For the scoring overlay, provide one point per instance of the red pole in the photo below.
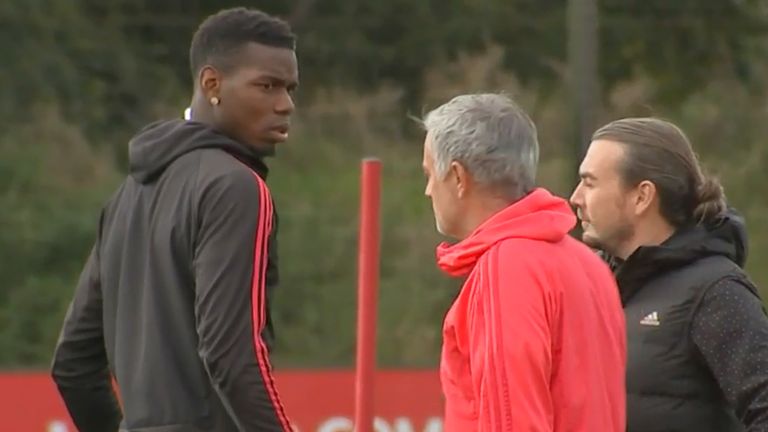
(367, 292)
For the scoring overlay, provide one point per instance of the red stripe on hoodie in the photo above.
(258, 297)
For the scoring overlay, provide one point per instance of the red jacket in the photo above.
(535, 340)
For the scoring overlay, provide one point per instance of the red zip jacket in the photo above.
(535, 339)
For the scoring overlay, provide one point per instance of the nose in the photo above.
(284, 104)
(576, 198)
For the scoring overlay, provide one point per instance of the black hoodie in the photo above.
(173, 302)
(697, 333)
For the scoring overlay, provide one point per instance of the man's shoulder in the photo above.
(719, 271)
(219, 168)
(567, 255)
(706, 271)
(517, 253)
(535, 249)
(218, 162)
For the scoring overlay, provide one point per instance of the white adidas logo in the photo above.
(652, 319)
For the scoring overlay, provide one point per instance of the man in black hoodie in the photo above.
(697, 331)
(173, 303)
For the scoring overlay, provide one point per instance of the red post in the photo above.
(367, 292)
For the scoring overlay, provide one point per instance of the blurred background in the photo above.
(81, 76)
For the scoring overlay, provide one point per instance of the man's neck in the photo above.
(201, 109)
(653, 235)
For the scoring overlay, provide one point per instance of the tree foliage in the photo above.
(82, 75)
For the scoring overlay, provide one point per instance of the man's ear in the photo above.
(644, 196)
(210, 82)
(462, 178)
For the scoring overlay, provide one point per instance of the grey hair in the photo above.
(491, 136)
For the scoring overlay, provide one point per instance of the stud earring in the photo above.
(215, 101)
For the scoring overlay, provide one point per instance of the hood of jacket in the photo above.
(156, 146)
(726, 236)
(538, 216)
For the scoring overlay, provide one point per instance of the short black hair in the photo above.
(221, 35)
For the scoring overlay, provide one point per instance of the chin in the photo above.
(449, 234)
(591, 241)
(265, 148)
(441, 229)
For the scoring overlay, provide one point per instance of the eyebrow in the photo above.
(278, 80)
(587, 175)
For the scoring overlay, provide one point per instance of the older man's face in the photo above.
(442, 190)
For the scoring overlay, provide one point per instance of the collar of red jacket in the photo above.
(538, 216)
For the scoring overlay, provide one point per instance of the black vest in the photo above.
(669, 387)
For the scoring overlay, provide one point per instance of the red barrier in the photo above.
(367, 293)
(316, 401)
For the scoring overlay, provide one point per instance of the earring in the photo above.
(215, 101)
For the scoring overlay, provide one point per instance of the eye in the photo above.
(268, 86)
(585, 182)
